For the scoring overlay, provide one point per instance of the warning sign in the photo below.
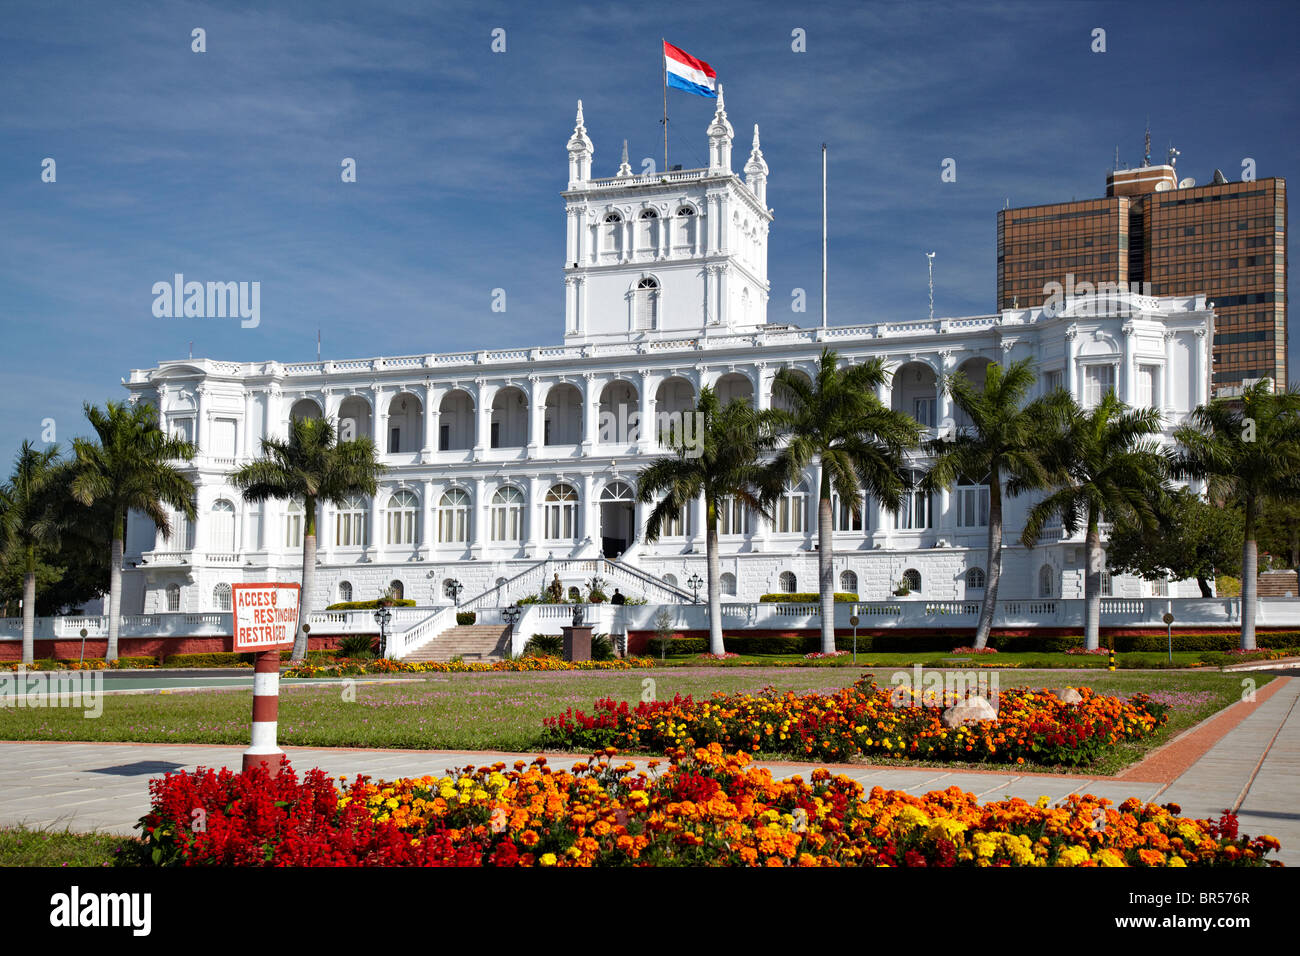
(265, 615)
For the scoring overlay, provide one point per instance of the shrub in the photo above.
(357, 646)
(806, 597)
(602, 648)
(466, 617)
(544, 645)
(370, 605)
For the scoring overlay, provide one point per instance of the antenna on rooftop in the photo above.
(1146, 155)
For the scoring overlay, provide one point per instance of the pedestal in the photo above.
(577, 643)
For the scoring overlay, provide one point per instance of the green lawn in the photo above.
(20, 846)
(504, 711)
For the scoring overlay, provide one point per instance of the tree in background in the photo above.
(28, 529)
(132, 466)
(1247, 449)
(310, 466)
(1191, 539)
(838, 422)
(1003, 444)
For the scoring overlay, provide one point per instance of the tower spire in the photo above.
(720, 137)
(580, 152)
(756, 171)
(624, 169)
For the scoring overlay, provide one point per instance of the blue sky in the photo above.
(225, 165)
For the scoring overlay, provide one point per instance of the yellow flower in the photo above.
(547, 859)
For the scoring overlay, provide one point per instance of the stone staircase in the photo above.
(470, 642)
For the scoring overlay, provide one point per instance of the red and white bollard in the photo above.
(264, 751)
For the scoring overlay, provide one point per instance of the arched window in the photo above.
(788, 583)
(403, 518)
(508, 515)
(173, 597)
(397, 590)
(345, 591)
(293, 516)
(611, 233)
(792, 510)
(561, 513)
(350, 523)
(453, 517)
(912, 578)
(646, 305)
(647, 231)
(914, 514)
(1046, 581)
(975, 579)
(733, 517)
(575, 594)
(221, 597)
(848, 582)
(221, 537)
(727, 581)
(685, 227)
(670, 579)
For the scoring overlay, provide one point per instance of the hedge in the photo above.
(231, 659)
(805, 597)
(63, 663)
(370, 605)
(464, 618)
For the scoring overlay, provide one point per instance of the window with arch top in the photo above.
(646, 306)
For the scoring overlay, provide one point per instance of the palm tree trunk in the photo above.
(1092, 585)
(29, 616)
(715, 596)
(1249, 579)
(308, 579)
(114, 595)
(825, 564)
(994, 575)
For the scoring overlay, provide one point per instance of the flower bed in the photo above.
(705, 809)
(91, 664)
(1032, 727)
(382, 665)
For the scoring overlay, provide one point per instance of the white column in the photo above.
(429, 443)
(377, 530)
(428, 532)
(482, 419)
(1071, 368)
(536, 416)
(380, 423)
(246, 447)
(1201, 360)
(1167, 378)
(645, 428)
(478, 518)
(590, 413)
(1128, 389)
(535, 489)
(590, 511)
(200, 425)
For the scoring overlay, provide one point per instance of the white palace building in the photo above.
(504, 463)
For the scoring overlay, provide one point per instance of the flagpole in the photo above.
(823, 235)
(663, 63)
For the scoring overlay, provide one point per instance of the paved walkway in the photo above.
(1254, 769)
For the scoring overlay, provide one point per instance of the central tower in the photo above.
(666, 253)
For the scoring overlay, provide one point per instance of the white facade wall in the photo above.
(711, 283)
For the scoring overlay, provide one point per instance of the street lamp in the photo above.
(1169, 627)
(694, 582)
(512, 614)
(382, 617)
(83, 644)
(454, 587)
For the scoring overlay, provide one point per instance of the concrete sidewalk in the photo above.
(1253, 769)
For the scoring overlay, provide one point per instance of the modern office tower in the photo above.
(1159, 235)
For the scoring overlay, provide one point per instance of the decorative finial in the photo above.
(578, 121)
(722, 104)
(624, 169)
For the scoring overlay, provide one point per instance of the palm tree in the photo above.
(312, 467)
(130, 468)
(1101, 461)
(838, 421)
(727, 463)
(1248, 450)
(28, 525)
(1004, 442)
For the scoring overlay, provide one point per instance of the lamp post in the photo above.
(454, 587)
(694, 582)
(382, 617)
(1169, 628)
(83, 644)
(512, 614)
(854, 621)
